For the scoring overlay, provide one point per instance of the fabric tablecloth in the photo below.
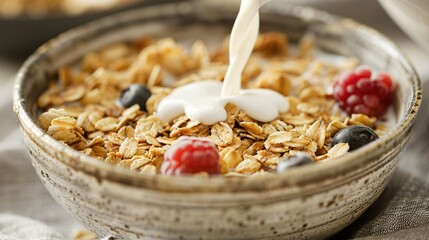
(402, 211)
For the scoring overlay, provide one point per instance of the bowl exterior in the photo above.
(314, 211)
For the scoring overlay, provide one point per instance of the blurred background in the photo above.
(27, 24)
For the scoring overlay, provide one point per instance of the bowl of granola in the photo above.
(89, 107)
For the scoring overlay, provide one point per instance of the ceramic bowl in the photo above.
(412, 16)
(305, 203)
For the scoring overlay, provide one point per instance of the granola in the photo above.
(80, 108)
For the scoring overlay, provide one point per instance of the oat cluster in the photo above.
(80, 109)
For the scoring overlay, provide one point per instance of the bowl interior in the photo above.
(196, 20)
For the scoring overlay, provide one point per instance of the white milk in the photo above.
(202, 101)
(205, 101)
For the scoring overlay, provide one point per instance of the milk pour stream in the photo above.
(204, 101)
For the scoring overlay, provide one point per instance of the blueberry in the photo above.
(355, 136)
(293, 161)
(135, 94)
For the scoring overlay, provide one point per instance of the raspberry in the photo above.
(188, 155)
(362, 92)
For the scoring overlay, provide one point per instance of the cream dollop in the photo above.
(202, 101)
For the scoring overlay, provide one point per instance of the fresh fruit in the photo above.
(188, 155)
(361, 91)
(355, 136)
(293, 161)
(135, 94)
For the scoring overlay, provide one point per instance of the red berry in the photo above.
(386, 79)
(188, 155)
(362, 92)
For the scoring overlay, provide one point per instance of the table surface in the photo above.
(22, 193)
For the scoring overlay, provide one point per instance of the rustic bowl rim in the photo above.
(295, 177)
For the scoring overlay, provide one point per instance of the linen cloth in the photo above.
(401, 212)
(13, 227)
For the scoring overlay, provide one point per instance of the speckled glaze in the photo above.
(311, 202)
